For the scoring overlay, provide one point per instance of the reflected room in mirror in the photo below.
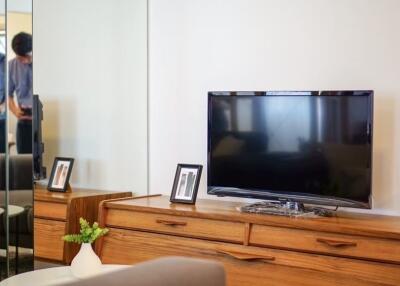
(3, 140)
(16, 254)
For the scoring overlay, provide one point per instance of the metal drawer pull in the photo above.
(336, 243)
(245, 256)
(171, 223)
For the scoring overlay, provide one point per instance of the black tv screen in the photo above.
(39, 171)
(305, 146)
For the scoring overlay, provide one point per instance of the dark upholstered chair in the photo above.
(21, 194)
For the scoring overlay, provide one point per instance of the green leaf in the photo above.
(87, 234)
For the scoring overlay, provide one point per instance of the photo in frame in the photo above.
(60, 174)
(186, 183)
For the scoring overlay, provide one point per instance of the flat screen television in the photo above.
(39, 171)
(304, 146)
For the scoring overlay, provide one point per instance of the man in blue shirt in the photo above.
(20, 84)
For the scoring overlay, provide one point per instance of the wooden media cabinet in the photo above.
(349, 249)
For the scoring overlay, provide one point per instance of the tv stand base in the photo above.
(288, 208)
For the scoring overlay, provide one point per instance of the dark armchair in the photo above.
(21, 194)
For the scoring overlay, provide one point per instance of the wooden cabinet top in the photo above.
(343, 222)
(42, 194)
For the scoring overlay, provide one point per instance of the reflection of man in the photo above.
(20, 84)
(2, 104)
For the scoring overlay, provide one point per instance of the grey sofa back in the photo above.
(168, 271)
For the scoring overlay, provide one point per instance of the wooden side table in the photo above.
(57, 214)
(14, 212)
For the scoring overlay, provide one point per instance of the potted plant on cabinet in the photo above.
(86, 263)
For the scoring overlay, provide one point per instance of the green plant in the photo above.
(88, 234)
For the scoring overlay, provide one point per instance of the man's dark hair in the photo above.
(22, 44)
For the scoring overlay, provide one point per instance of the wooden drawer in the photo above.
(248, 265)
(178, 225)
(327, 243)
(48, 243)
(49, 210)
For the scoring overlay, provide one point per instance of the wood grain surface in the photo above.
(344, 223)
(287, 268)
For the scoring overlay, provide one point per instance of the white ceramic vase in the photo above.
(86, 263)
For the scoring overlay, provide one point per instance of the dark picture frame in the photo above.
(60, 174)
(186, 183)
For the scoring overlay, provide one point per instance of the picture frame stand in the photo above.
(69, 189)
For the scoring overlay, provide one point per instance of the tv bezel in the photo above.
(271, 195)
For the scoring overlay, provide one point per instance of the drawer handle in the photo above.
(171, 223)
(336, 243)
(245, 256)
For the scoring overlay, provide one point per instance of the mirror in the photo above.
(90, 72)
(3, 149)
(91, 76)
(17, 221)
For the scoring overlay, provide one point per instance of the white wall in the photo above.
(17, 22)
(202, 45)
(90, 71)
(2, 7)
(21, 6)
